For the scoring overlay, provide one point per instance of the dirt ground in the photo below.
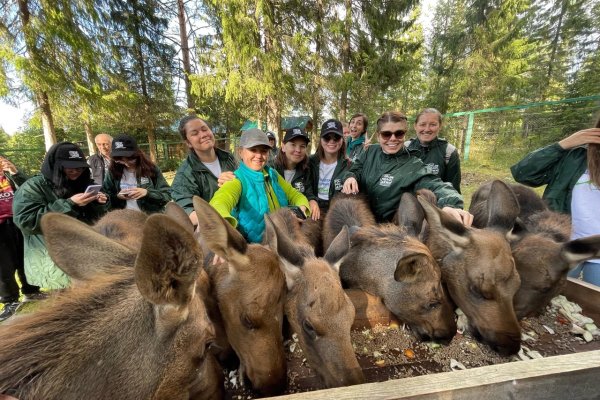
(392, 352)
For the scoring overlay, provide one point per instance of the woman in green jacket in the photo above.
(258, 189)
(355, 144)
(205, 168)
(133, 180)
(291, 161)
(434, 151)
(60, 188)
(326, 168)
(385, 171)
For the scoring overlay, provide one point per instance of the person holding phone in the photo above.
(133, 180)
(385, 171)
(60, 188)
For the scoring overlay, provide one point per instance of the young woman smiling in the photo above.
(386, 171)
(326, 168)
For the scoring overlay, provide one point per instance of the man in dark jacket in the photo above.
(100, 161)
(204, 170)
(11, 245)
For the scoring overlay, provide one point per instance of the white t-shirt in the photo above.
(325, 176)
(129, 181)
(288, 174)
(213, 167)
(585, 218)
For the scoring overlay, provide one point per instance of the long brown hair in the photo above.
(593, 160)
(143, 167)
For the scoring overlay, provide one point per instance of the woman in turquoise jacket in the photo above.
(60, 188)
(256, 191)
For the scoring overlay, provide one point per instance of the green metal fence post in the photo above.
(469, 133)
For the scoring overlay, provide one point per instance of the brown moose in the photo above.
(540, 245)
(387, 262)
(316, 306)
(125, 333)
(479, 271)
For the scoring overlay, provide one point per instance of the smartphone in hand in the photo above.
(93, 189)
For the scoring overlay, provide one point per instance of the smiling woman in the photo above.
(258, 189)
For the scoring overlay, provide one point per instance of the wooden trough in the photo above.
(570, 376)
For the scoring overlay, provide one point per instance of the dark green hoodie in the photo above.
(441, 156)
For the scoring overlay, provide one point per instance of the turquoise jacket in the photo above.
(355, 147)
(243, 202)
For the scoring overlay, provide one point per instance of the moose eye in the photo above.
(309, 329)
(247, 322)
(476, 292)
(433, 305)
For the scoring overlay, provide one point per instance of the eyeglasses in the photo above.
(386, 135)
(329, 138)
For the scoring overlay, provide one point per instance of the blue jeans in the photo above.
(591, 272)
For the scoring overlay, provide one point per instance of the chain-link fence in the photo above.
(503, 135)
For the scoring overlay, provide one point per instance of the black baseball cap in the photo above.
(293, 133)
(69, 155)
(270, 134)
(332, 126)
(123, 146)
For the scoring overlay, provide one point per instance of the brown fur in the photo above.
(478, 269)
(124, 226)
(317, 308)
(105, 339)
(351, 210)
(249, 288)
(540, 246)
(386, 262)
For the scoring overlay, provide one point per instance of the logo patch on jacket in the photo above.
(144, 180)
(338, 185)
(434, 168)
(299, 186)
(386, 180)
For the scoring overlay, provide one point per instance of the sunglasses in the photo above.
(329, 138)
(385, 135)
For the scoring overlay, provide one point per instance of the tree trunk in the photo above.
(555, 41)
(41, 96)
(185, 54)
(89, 134)
(47, 120)
(345, 60)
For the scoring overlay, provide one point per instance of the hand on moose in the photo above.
(585, 136)
(465, 217)
(350, 186)
(315, 211)
(83, 199)
(225, 177)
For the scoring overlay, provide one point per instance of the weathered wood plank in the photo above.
(571, 376)
(586, 295)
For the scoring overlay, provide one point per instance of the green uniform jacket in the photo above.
(556, 167)
(337, 181)
(441, 156)
(385, 177)
(228, 196)
(354, 148)
(194, 179)
(156, 199)
(300, 181)
(32, 200)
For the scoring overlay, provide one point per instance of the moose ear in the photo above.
(81, 252)
(580, 250)
(409, 266)
(218, 235)
(338, 249)
(291, 258)
(502, 207)
(445, 229)
(410, 214)
(168, 263)
(175, 211)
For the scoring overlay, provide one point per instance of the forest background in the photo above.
(138, 66)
